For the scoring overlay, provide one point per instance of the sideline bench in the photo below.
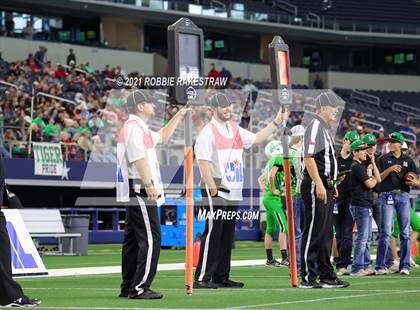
(47, 223)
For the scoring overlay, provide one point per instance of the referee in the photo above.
(317, 191)
(139, 182)
(219, 152)
(11, 294)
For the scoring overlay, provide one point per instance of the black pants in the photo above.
(344, 223)
(9, 289)
(141, 246)
(317, 234)
(217, 241)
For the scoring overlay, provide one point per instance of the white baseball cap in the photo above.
(273, 148)
(297, 131)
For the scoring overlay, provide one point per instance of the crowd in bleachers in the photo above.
(83, 110)
(74, 112)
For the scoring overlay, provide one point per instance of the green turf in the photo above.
(110, 255)
(265, 288)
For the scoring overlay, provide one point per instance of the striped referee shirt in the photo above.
(319, 144)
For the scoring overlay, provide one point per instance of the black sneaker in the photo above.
(227, 283)
(23, 302)
(123, 295)
(308, 285)
(147, 294)
(272, 263)
(334, 283)
(285, 263)
(204, 284)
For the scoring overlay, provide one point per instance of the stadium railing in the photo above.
(359, 96)
(376, 127)
(406, 109)
(274, 15)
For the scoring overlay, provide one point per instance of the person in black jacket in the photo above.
(343, 220)
(11, 294)
(362, 180)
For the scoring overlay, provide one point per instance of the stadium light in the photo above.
(281, 83)
(186, 62)
(185, 59)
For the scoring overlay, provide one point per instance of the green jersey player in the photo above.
(273, 177)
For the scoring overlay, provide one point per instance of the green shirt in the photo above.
(89, 69)
(80, 130)
(274, 162)
(51, 130)
(278, 161)
(39, 121)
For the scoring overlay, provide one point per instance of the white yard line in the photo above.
(117, 269)
(256, 290)
(321, 299)
(245, 306)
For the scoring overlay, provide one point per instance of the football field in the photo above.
(265, 287)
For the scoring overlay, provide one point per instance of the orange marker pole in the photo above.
(290, 222)
(189, 183)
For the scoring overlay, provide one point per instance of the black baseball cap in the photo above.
(327, 98)
(139, 97)
(219, 100)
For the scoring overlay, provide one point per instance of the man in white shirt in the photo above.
(218, 149)
(139, 181)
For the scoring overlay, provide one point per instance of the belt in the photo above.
(331, 183)
(395, 191)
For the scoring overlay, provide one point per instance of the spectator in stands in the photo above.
(39, 119)
(48, 69)
(95, 124)
(100, 152)
(344, 126)
(360, 130)
(69, 127)
(40, 56)
(225, 73)
(253, 91)
(3, 150)
(28, 31)
(36, 133)
(120, 71)
(88, 68)
(61, 73)
(318, 83)
(381, 137)
(33, 66)
(106, 71)
(246, 117)
(10, 142)
(213, 73)
(10, 25)
(71, 57)
(83, 126)
(407, 128)
(51, 131)
(83, 140)
(170, 112)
